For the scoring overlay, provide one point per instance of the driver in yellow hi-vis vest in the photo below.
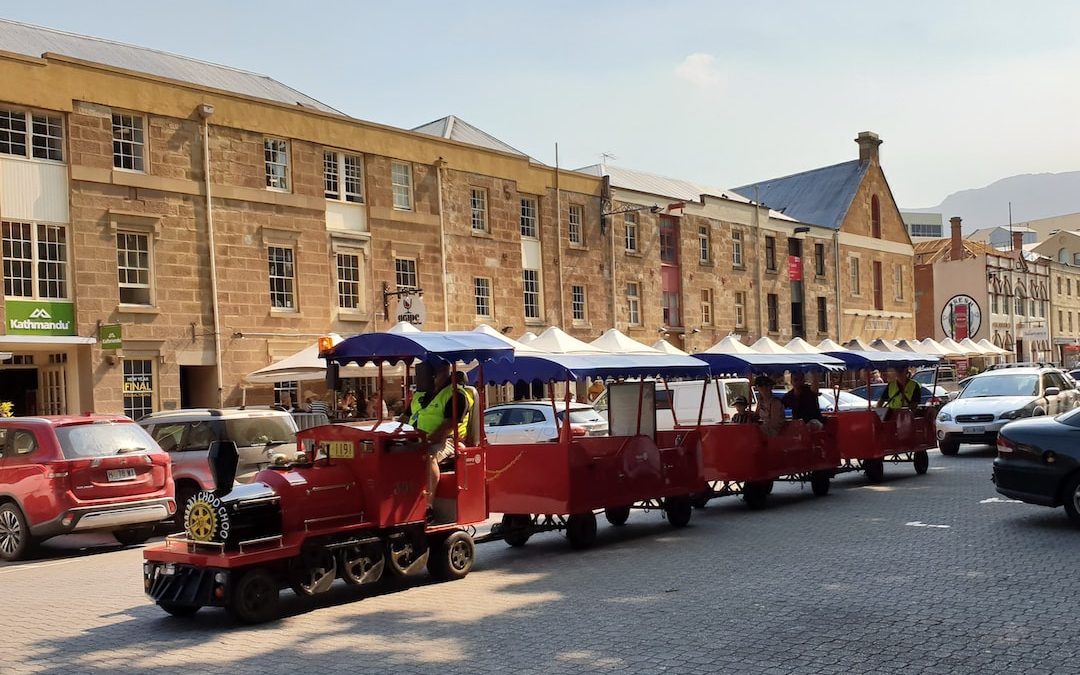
(436, 409)
(901, 392)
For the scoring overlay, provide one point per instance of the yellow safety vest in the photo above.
(429, 417)
(895, 400)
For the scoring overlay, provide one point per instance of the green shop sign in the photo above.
(39, 317)
(110, 336)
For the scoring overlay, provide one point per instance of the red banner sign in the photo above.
(794, 268)
(960, 317)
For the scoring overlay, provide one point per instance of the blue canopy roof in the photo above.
(562, 367)
(879, 360)
(426, 346)
(770, 364)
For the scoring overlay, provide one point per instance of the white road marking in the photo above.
(916, 523)
(999, 500)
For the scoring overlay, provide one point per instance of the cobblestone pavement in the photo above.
(921, 574)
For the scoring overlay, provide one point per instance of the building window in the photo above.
(993, 303)
(1070, 321)
(819, 259)
(706, 307)
(740, 309)
(1042, 309)
(925, 230)
(1018, 304)
(853, 269)
(529, 226)
(1059, 285)
(669, 252)
(479, 209)
(736, 249)
(401, 181)
(770, 254)
(879, 293)
(482, 296)
(287, 390)
(633, 303)
(133, 268)
(577, 303)
(531, 285)
(405, 274)
(276, 162)
(1032, 306)
(1061, 320)
(282, 278)
(343, 177)
(348, 281)
(138, 387)
(773, 303)
(45, 132)
(129, 142)
(630, 242)
(822, 315)
(875, 217)
(704, 245)
(1068, 286)
(575, 231)
(670, 303)
(35, 258)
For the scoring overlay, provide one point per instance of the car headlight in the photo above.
(1019, 412)
(944, 417)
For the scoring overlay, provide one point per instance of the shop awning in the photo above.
(46, 340)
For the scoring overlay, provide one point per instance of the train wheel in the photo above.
(581, 529)
(362, 564)
(921, 462)
(617, 515)
(406, 555)
(179, 610)
(313, 571)
(875, 470)
(255, 597)
(755, 494)
(516, 529)
(819, 483)
(678, 510)
(453, 557)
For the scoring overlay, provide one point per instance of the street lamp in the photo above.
(387, 294)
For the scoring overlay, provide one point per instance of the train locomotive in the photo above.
(351, 504)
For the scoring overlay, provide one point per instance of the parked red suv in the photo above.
(67, 474)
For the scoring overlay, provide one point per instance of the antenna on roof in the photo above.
(605, 156)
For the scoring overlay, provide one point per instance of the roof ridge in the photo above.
(798, 173)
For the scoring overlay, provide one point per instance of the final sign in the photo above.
(961, 317)
(411, 309)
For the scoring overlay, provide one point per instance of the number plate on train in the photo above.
(340, 449)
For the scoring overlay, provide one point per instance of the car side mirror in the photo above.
(223, 457)
(1052, 391)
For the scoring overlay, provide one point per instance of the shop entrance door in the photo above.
(20, 387)
(52, 385)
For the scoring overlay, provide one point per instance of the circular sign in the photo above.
(411, 309)
(205, 518)
(961, 317)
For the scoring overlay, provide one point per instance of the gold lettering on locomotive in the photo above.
(206, 518)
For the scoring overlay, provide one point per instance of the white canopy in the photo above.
(731, 345)
(613, 340)
(801, 346)
(992, 348)
(954, 346)
(828, 345)
(932, 346)
(668, 348)
(909, 346)
(882, 345)
(765, 345)
(403, 327)
(528, 337)
(556, 341)
(519, 347)
(303, 366)
(858, 345)
(975, 348)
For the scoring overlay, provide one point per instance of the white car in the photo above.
(534, 422)
(848, 401)
(992, 399)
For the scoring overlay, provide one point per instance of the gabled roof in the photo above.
(675, 188)
(29, 40)
(819, 196)
(454, 128)
(940, 250)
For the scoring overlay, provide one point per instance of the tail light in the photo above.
(1005, 445)
(578, 431)
(58, 470)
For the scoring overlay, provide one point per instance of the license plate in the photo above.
(974, 430)
(120, 474)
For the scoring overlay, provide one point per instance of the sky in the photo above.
(962, 93)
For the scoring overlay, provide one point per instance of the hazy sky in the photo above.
(723, 93)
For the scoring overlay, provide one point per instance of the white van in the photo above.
(681, 400)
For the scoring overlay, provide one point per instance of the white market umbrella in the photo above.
(614, 340)
(554, 340)
(765, 345)
(519, 347)
(828, 345)
(801, 346)
(884, 346)
(858, 345)
(974, 348)
(909, 346)
(403, 327)
(303, 366)
(954, 346)
(528, 337)
(730, 345)
(992, 348)
(932, 346)
(668, 348)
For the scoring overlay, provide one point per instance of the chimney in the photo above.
(1018, 241)
(956, 250)
(868, 146)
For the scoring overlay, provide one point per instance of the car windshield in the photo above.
(581, 416)
(1072, 418)
(101, 439)
(249, 431)
(1006, 384)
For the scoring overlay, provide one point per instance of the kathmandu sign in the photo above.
(39, 317)
(411, 309)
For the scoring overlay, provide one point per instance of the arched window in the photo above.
(1019, 304)
(875, 217)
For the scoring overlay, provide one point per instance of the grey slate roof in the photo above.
(29, 40)
(454, 128)
(820, 196)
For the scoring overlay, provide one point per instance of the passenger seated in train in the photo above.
(770, 411)
(742, 413)
(802, 400)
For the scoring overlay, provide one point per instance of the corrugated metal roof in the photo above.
(454, 128)
(939, 250)
(29, 40)
(820, 196)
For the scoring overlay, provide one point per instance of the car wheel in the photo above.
(948, 447)
(819, 483)
(617, 515)
(678, 510)
(15, 540)
(255, 597)
(452, 557)
(875, 470)
(1071, 497)
(133, 536)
